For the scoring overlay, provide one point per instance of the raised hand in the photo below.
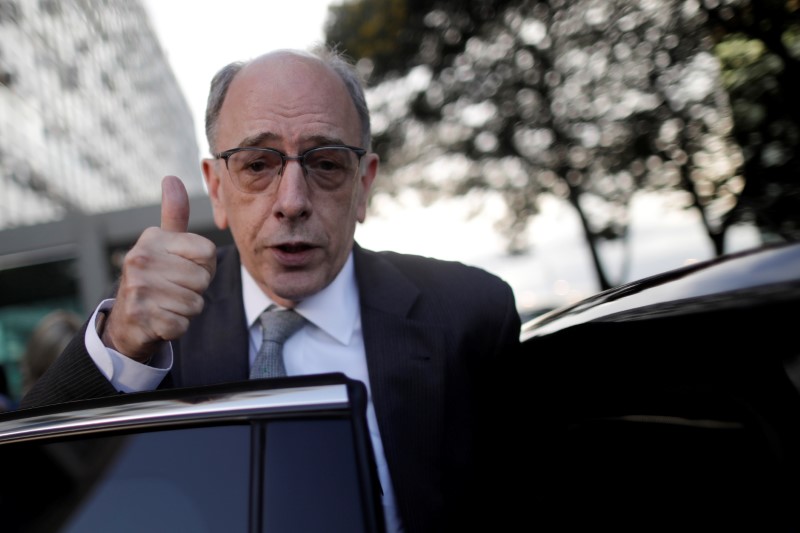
(163, 279)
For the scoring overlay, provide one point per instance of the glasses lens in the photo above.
(253, 170)
(330, 167)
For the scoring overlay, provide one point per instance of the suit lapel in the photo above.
(406, 359)
(215, 350)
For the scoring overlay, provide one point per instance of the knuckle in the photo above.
(136, 313)
(208, 275)
(174, 326)
(210, 250)
(135, 259)
(196, 305)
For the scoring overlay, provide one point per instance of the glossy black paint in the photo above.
(671, 402)
(667, 404)
(289, 455)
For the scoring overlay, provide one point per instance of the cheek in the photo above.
(341, 211)
(244, 215)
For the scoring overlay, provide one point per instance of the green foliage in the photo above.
(368, 29)
(758, 46)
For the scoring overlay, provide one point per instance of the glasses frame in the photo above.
(300, 158)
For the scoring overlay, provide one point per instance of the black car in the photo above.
(283, 455)
(671, 402)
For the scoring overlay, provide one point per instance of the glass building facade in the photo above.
(91, 118)
(91, 115)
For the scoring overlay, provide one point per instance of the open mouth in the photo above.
(294, 248)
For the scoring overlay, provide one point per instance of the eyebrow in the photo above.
(257, 140)
(260, 139)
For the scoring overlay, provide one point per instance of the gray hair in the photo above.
(336, 60)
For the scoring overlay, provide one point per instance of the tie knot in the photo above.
(277, 325)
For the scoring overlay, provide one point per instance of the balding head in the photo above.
(337, 62)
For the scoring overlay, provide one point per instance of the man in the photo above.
(291, 178)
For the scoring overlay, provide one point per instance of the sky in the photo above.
(200, 36)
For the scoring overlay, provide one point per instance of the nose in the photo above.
(292, 200)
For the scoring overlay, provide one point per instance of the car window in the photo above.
(310, 481)
(180, 480)
(190, 479)
(307, 479)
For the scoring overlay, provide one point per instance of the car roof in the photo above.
(758, 274)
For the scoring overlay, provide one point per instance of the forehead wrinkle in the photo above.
(258, 139)
(267, 138)
(266, 109)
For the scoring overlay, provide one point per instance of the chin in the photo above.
(294, 287)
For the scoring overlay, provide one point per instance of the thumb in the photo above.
(174, 205)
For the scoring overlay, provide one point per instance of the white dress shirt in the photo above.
(331, 341)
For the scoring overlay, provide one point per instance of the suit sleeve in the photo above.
(72, 376)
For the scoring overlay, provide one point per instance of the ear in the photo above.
(211, 174)
(365, 183)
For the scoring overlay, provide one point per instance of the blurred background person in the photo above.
(47, 340)
(6, 402)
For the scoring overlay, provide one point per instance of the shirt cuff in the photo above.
(125, 374)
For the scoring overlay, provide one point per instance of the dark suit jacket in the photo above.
(437, 334)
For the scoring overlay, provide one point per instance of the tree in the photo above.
(758, 45)
(590, 101)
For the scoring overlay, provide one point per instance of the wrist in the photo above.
(100, 325)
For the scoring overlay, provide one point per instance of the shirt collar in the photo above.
(334, 309)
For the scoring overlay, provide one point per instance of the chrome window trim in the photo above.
(150, 413)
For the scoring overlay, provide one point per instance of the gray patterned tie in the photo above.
(277, 325)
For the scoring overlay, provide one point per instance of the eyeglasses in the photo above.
(253, 170)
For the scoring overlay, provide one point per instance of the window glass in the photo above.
(193, 479)
(310, 478)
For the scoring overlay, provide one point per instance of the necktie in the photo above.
(277, 325)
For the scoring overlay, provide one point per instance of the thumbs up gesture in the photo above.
(163, 279)
(174, 205)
